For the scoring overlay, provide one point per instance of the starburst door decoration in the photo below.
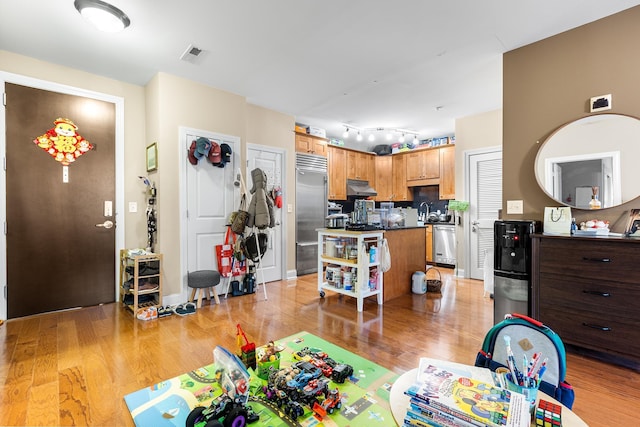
(63, 142)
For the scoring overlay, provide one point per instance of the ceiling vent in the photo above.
(192, 54)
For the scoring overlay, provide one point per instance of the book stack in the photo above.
(452, 394)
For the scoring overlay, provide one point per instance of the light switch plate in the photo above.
(133, 207)
(515, 207)
(289, 208)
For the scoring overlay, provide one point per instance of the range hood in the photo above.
(359, 188)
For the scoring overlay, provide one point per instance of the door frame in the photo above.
(283, 184)
(467, 195)
(119, 169)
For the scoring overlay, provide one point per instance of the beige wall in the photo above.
(549, 83)
(268, 127)
(475, 132)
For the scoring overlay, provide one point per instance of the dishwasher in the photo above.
(444, 244)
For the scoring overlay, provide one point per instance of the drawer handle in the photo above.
(584, 258)
(602, 328)
(602, 294)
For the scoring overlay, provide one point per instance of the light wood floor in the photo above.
(74, 367)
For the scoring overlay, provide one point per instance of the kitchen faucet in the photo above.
(425, 214)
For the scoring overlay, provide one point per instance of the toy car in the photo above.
(293, 409)
(341, 372)
(232, 414)
(313, 389)
(332, 402)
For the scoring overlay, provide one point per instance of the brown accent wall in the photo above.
(549, 83)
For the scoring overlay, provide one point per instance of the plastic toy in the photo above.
(341, 372)
(230, 409)
(293, 409)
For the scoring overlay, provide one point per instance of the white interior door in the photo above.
(270, 160)
(210, 199)
(484, 182)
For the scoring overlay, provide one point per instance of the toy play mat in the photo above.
(365, 395)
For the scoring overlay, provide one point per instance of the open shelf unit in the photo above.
(143, 269)
(366, 278)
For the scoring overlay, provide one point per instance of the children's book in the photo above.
(454, 389)
(434, 416)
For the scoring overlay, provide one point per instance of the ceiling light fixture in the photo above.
(103, 16)
(371, 137)
(345, 134)
(359, 137)
(401, 138)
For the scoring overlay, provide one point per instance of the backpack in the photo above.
(529, 336)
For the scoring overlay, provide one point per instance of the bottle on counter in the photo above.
(594, 203)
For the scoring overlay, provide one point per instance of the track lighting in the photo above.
(371, 137)
(401, 139)
(345, 134)
(359, 137)
(104, 16)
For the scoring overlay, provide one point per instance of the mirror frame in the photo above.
(570, 151)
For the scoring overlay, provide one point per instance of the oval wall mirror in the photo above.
(594, 154)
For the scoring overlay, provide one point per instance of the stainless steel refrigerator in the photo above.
(311, 209)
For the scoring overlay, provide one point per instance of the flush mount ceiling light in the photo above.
(103, 16)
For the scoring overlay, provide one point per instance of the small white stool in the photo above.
(203, 281)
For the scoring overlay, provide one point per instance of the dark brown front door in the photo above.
(56, 256)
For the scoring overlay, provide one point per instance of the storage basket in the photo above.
(433, 285)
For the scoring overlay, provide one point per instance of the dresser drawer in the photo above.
(602, 297)
(592, 331)
(598, 259)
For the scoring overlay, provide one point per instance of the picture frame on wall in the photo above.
(152, 157)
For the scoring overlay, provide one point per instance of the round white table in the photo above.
(399, 402)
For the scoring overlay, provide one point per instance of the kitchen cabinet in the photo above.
(423, 167)
(587, 290)
(337, 167)
(140, 280)
(360, 166)
(366, 278)
(428, 229)
(401, 193)
(383, 181)
(447, 172)
(311, 144)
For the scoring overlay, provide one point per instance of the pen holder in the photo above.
(530, 393)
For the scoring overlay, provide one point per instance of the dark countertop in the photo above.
(417, 226)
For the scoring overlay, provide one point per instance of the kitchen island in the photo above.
(408, 254)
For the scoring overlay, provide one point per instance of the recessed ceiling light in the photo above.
(104, 16)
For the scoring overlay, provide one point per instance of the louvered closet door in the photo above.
(485, 201)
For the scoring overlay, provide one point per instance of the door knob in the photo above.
(475, 222)
(106, 224)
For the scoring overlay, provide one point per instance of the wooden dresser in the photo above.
(587, 290)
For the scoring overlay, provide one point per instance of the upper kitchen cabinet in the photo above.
(383, 184)
(311, 144)
(423, 167)
(360, 165)
(401, 193)
(337, 167)
(447, 172)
